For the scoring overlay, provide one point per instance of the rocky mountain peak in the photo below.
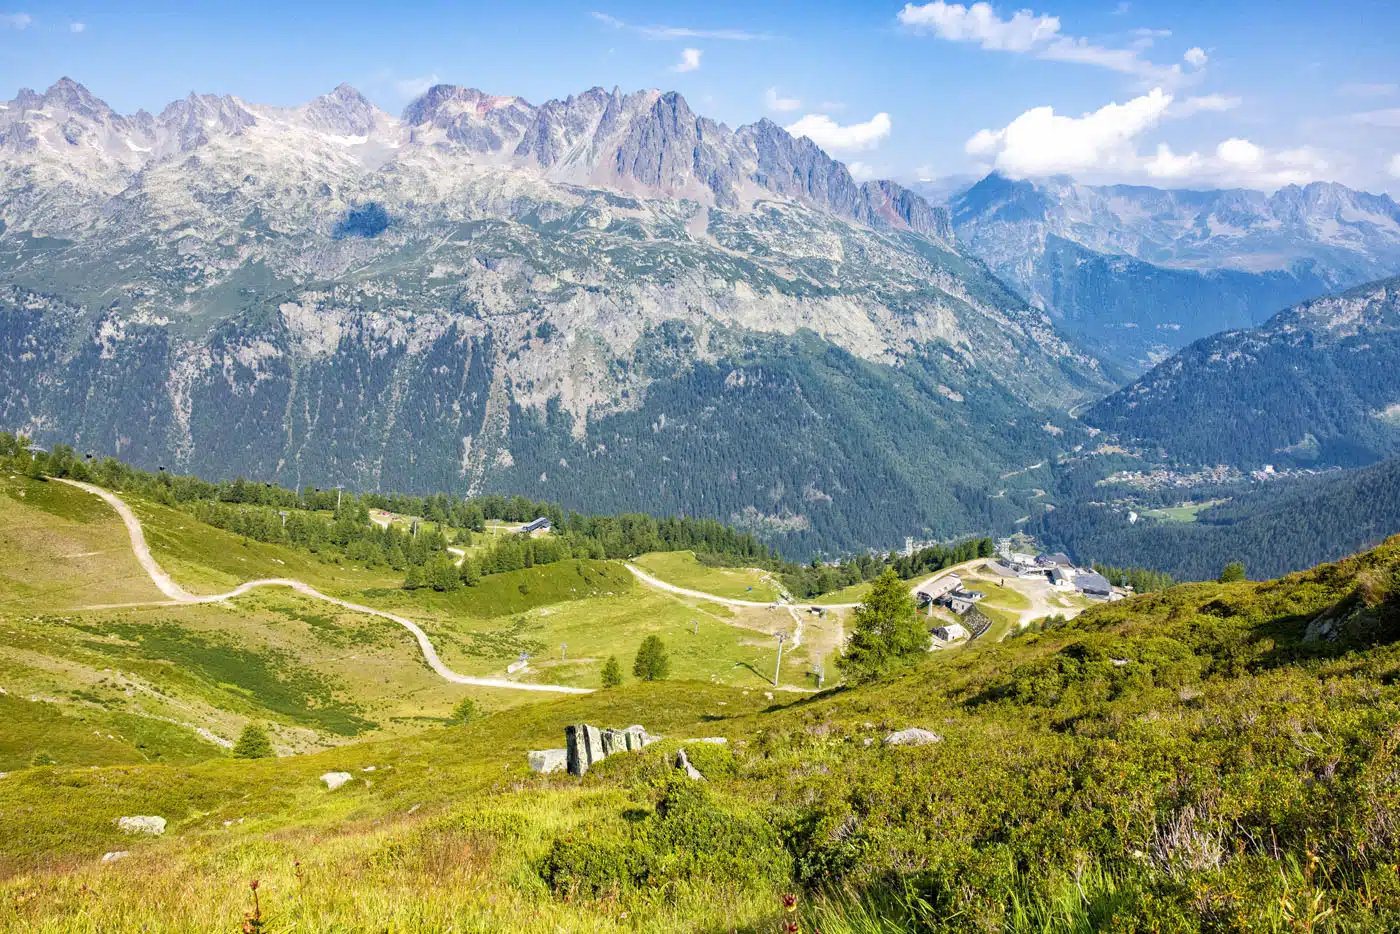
(343, 112)
(76, 100)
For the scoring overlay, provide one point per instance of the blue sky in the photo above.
(1188, 93)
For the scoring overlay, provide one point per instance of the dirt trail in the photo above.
(659, 584)
(178, 594)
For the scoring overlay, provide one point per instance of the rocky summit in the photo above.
(608, 301)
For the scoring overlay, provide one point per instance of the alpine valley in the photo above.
(569, 301)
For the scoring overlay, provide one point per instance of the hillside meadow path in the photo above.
(659, 584)
(179, 595)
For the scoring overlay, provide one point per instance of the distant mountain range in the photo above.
(1138, 272)
(1316, 385)
(606, 300)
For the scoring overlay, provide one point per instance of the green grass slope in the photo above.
(1182, 761)
(87, 680)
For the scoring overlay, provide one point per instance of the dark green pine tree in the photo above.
(887, 632)
(612, 672)
(253, 743)
(652, 662)
(1232, 573)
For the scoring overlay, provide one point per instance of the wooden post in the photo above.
(782, 637)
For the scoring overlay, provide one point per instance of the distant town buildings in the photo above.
(948, 591)
(1057, 569)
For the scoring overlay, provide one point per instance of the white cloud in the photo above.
(980, 23)
(413, 87)
(1167, 164)
(1196, 57)
(1029, 33)
(860, 171)
(77, 27)
(831, 136)
(1393, 167)
(777, 104)
(15, 20)
(1105, 144)
(690, 60)
(1239, 152)
(679, 32)
(1208, 102)
(1040, 142)
(1368, 90)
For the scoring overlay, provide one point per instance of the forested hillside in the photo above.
(1279, 528)
(1315, 386)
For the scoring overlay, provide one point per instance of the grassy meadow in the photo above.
(1211, 758)
(683, 569)
(1182, 761)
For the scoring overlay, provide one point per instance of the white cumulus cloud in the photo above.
(980, 23)
(1106, 143)
(1196, 57)
(15, 20)
(1042, 142)
(778, 104)
(1393, 167)
(690, 60)
(1033, 34)
(831, 136)
(1239, 152)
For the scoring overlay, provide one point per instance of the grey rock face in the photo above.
(914, 736)
(179, 290)
(576, 749)
(548, 760)
(343, 112)
(587, 745)
(334, 780)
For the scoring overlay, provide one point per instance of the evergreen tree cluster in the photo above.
(812, 580)
(267, 512)
(1142, 580)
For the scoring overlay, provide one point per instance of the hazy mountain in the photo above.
(606, 300)
(1315, 385)
(1139, 272)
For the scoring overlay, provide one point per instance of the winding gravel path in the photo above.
(659, 584)
(178, 594)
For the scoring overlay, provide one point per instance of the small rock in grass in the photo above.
(368, 768)
(914, 736)
(548, 760)
(113, 856)
(141, 824)
(683, 763)
(334, 780)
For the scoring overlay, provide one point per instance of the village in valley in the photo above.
(1008, 591)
